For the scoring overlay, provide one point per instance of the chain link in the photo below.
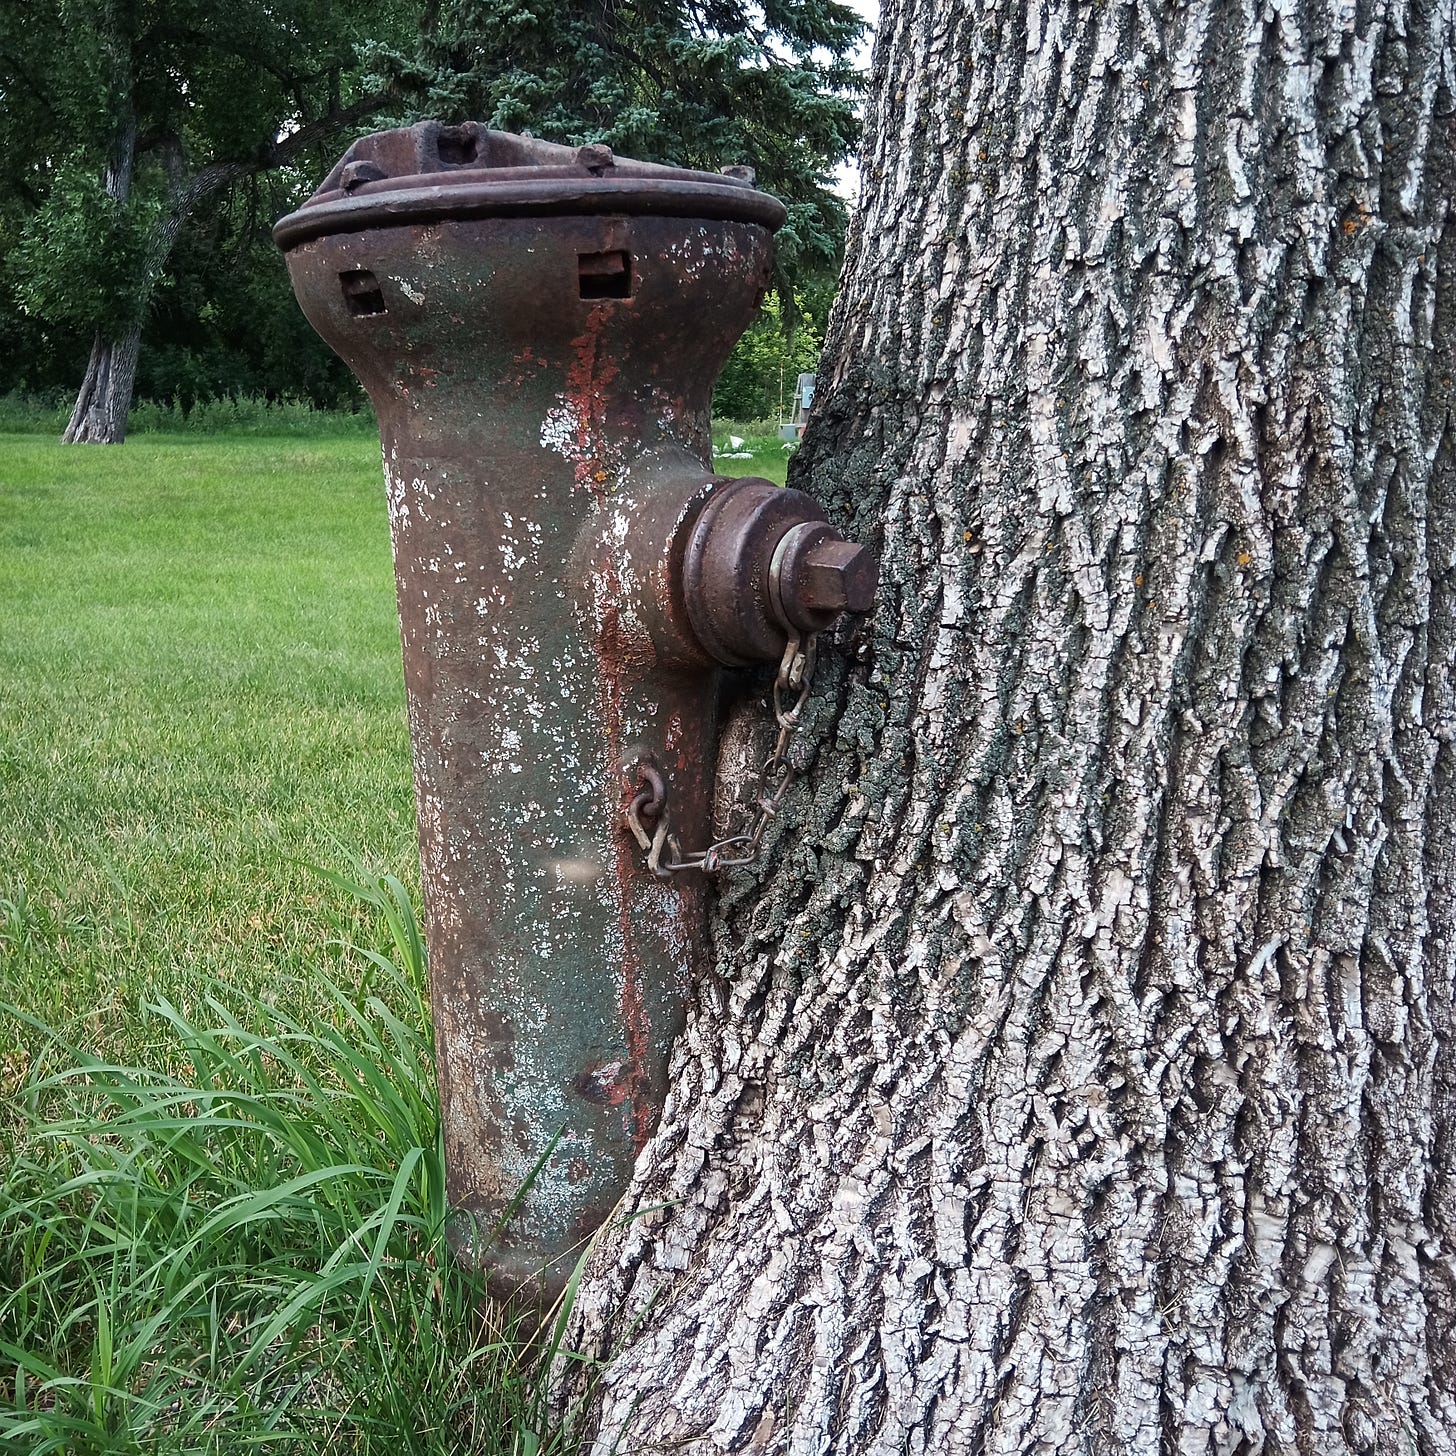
(647, 815)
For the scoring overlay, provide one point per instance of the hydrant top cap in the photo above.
(430, 172)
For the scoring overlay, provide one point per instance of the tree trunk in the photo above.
(102, 402)
(104, 399)
(1080, 1077)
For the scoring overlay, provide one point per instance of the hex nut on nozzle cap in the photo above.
(816, 574)
(839, 576)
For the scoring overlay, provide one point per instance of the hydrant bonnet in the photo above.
(430, 172)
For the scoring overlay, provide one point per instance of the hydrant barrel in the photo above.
(539, 329)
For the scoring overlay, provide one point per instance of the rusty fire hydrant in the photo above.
(539, 328)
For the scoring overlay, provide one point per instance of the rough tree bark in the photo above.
(1080, 1076)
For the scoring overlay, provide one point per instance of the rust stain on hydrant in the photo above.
(539, 328)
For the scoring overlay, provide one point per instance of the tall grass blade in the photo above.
(249, 1250)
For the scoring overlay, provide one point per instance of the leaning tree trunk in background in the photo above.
(1080, 1077)
(104, 399)
(111, 369)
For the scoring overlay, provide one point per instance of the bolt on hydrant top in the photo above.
(430, 172)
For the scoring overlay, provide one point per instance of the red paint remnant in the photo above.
(587, 384)
(642, 1115)
(601, 1082)
(676, 746)
(530, 361)
(610, 649)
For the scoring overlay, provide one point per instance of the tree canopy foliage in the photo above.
(115, 107)
(145, 145)
(143, 112)
(692, 83)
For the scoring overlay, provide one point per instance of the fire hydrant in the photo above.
(540, 328)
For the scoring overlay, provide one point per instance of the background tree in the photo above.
(126, 120)
(225, 321)
(1080, 1075)
(758, 381)
(123, 117)
(691, 83)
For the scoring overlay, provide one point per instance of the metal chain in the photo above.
(647, 815)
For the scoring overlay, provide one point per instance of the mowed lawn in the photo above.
(200, 696)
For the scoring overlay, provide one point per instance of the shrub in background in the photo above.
(766, 362)
(229, 415)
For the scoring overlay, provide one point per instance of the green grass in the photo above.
(200, 694)
(767, 455)
(251, 1253)
(222, 1208)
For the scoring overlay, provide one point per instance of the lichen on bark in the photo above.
(1079, 1073)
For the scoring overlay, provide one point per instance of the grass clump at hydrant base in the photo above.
(253, 1254)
